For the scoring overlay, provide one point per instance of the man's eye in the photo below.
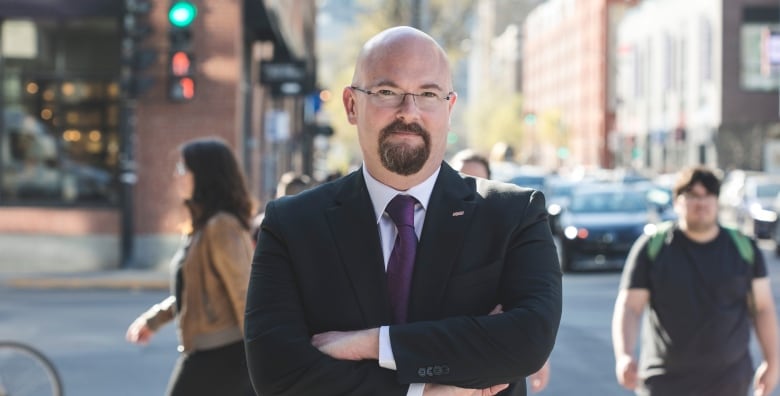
(385, 92)
(429, 94)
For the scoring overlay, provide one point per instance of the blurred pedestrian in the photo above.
(210, 274)
(470, 163)
(290, 183)
(704, 285)
(383, 282)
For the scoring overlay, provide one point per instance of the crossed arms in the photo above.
(479, 351)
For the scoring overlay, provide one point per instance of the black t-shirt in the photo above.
(698, 322)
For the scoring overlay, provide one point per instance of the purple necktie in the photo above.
(401, 263)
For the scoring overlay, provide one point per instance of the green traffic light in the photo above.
(182, 13)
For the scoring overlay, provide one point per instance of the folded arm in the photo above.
(280, 355)
(481, 351)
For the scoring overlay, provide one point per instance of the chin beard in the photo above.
(402, 158)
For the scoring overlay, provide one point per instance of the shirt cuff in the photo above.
(387, 360)
(386, 357)
(415, 390)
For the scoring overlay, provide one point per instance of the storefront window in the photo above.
(759, 37)
(59, 139)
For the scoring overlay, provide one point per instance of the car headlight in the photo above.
(554, 209)
(572, 232)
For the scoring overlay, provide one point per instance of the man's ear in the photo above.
(348, 97)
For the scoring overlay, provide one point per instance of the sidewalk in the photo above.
(126, 279)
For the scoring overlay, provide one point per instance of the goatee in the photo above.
(401, 158)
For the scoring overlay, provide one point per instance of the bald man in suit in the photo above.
(481, 309)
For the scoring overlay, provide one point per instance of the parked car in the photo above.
(601, 223)
(750, 207)
(558, 193)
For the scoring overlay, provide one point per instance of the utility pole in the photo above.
(419, 14)
(134, 59)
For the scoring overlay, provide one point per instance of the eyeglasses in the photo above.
(180, 169)
(691, 197)
(388, 98)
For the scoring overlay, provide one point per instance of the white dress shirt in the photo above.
(380, 196)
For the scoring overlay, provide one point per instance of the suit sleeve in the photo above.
(477, 352)
(280, 356)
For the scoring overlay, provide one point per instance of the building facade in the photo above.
(697, 85)
(86, 162)
(568, 81)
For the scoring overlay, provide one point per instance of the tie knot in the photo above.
(401, 210)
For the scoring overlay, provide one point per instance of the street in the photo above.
(82, 331)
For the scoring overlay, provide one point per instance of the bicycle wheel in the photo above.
(24, 371)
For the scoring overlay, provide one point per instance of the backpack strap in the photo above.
(658, 239)
(744, 246)
(747, 253)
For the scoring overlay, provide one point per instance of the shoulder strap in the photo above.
(658, 239)
(744, 246)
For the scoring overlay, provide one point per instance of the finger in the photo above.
(318, 340)
(497, 388)
(497, 310)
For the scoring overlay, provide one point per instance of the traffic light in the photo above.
(135, 57)
(181, 81)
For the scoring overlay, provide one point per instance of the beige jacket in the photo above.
(216, 275)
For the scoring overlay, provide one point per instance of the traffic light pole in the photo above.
(133, 82)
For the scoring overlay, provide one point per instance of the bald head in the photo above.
(403, 138)
(400, 43)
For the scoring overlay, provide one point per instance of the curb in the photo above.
(32, 283)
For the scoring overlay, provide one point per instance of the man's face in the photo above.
(698, 208)
(406, 136)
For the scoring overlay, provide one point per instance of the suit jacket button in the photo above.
(421, 372)
(436, 370)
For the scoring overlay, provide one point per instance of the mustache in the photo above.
(398, 126)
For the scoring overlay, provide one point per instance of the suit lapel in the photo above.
(355, 231)
(449, 213)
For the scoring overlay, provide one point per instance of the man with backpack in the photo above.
(704, 285)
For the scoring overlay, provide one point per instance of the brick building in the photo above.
(568, 80)
(79, 189)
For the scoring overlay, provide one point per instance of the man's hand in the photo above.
(765, 380)
(449, 390)
(626, 371)
(349, 345)
(540, 378)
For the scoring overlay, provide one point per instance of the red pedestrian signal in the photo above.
(181, 64)
(182, 89)
(181, 85)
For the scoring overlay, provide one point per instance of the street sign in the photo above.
(274, 72)
(288, 78)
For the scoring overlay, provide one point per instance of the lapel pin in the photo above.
(458, 213)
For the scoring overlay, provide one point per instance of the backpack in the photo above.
(663, 236)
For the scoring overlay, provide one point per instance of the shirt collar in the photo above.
(381, 194)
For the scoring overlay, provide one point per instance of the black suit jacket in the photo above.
(319, 267)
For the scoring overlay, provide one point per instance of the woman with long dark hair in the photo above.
(210, 274)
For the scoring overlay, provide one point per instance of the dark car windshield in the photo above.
(608, 201)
